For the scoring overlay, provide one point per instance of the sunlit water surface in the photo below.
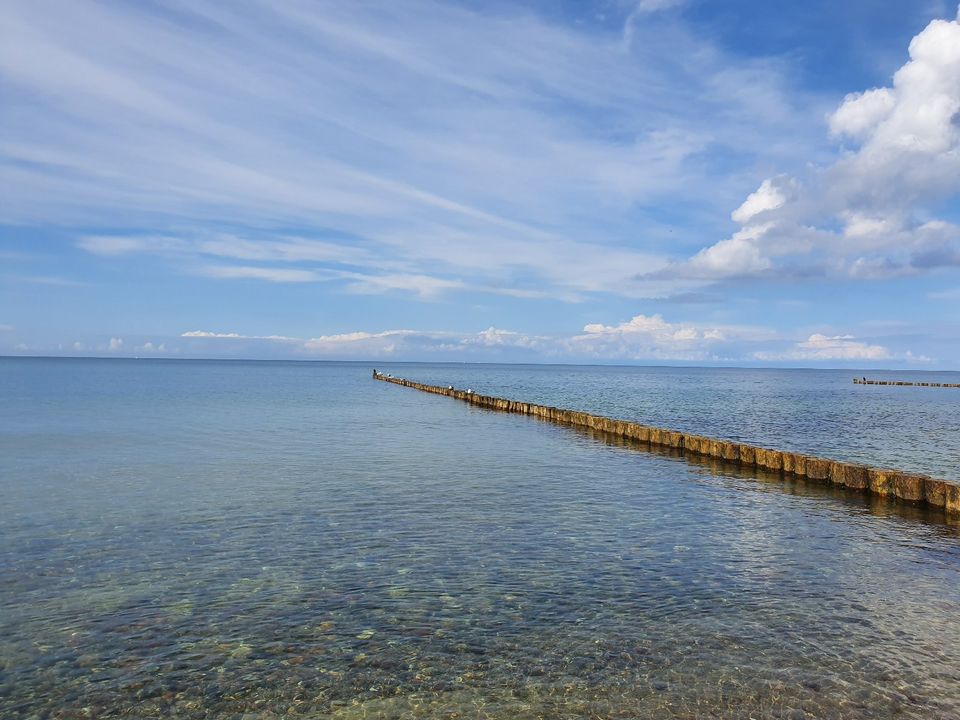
(266, 540)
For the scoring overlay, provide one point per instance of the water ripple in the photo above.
(283, 540)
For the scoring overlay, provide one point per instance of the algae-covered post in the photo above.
(904, 486)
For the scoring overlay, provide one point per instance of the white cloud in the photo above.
(52, 280)
(860, 113)
(858, 225)
(656, 5)
(280, 248)
(362, 344)
(771, 195)
(642, 337)
(6, 328)
(652, 337)
(426, 139)
(353, 344)
(235, 336)
(639, 11)
(245, 272)
(207, 334)
(126, 245)
(739, 255)
(883, 194)
(283, 249)
(495, 338)
(820, 347)
(422, 285)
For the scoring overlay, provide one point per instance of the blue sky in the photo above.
(665, 181)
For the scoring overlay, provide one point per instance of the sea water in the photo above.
(270, 540)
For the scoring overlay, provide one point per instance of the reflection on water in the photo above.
(280, 540)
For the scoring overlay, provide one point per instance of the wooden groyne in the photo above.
(904, 486)
(867, 381)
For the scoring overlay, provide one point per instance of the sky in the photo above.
(653, 181)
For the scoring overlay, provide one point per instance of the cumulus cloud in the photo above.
(642, 337)
(772, 194)
(737, 256)
(860, 113)
(871, 214)
(495, 338)
(652, 337)
(819, 347)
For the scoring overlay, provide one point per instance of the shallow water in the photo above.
(820, 412)
(293, 539)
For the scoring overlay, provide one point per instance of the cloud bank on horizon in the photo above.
(612, 182)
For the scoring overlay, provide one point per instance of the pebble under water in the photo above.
(279, 540)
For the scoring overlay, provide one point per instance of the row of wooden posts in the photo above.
(866, 381)
(905, 486)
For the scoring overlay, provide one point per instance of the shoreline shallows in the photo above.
(900, 485)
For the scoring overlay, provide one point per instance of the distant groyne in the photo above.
(904, 486)
(867, 381)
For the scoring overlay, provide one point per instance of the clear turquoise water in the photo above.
(225, 539)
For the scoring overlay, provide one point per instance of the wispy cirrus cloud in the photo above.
(111, 245)
(235, 336)
(246, 272)
(419, 155)
(451, 143)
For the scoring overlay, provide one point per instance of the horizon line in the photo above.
(372, 361)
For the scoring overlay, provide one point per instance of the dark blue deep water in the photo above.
(279, 540)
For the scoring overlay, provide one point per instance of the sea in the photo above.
(253, 540)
